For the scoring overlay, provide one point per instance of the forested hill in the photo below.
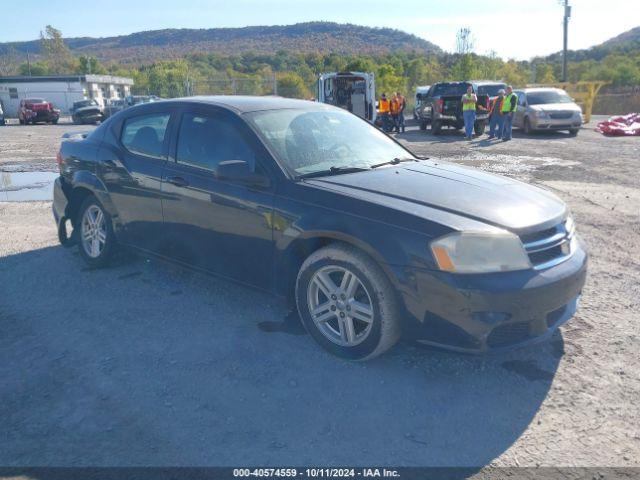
(320, 37)
(626, 43)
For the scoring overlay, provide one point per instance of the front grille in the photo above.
(560, 115)
(548, 247)
(535, 236)
(508, 334)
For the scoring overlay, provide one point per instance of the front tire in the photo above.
(347, 303)
(96, 240)
(479, 128)
(574, 132)
(527, 126)
(436, 128)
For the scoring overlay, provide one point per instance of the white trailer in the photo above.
(61, 90)
(353, 91)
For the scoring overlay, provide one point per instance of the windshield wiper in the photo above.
(395, 161)
(333, 171)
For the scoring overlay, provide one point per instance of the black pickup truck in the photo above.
(443, 105)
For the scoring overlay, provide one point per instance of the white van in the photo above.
(353, 91)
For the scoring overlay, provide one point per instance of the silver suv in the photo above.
(547, 109)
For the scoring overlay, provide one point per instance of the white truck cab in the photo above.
(353, 91)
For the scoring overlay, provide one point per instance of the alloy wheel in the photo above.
(340, 305)
(94, 231)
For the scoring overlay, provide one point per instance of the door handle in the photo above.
(177, 181)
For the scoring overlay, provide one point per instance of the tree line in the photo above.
(296, 73)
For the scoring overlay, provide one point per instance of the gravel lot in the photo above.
(146, 363)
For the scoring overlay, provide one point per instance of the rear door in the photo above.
(131, 168)
(215, 224)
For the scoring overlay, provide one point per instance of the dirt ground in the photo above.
(145, 363)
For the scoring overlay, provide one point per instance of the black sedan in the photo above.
(86, 111)
(316, 205)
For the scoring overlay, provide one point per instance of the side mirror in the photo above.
(239, 171)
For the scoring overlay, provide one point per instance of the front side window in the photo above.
(522, 99)
(144, 135)
(205, 141)
(309, 141)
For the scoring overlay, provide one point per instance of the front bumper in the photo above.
(556, 123)
(490, 312)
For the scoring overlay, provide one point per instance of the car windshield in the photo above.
(550, 96)
(84, 103)
(491, 90)
(321, 140)
(450, 89)
(34, 100)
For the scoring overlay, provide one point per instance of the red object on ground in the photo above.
(624, 125)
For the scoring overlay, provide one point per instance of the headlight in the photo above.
(478, 252)
(540, 113)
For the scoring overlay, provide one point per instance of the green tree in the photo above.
(290, 84)
(88, 64)
(56, 51)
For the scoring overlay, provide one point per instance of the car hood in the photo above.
(557, 107)
(464, 191)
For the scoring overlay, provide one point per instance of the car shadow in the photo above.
(146, 363)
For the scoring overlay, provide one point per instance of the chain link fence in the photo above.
(233, 86)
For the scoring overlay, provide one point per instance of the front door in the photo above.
(215, 224)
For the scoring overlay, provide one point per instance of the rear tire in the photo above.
(94, 233)
(355, 308)
(436, 128)
(423, 125)
(21, 121)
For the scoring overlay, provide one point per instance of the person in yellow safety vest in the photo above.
(509, 106)
(496, 119)
(384, 108)
(469, 101)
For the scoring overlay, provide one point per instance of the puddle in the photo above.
(26, 186)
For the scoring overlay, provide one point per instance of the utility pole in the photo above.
(567, 15)
(29, 63)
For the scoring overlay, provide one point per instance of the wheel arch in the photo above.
(299, 249)
(86, 183)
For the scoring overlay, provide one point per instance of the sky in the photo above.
(517, 29)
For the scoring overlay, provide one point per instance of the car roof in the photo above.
(247, 103)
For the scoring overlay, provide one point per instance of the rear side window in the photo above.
(449, 89)
(205, 141)
(491, 89)
(144, 135)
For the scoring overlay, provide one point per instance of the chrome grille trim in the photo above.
(553, 244)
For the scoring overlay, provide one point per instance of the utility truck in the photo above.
(353, 91)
